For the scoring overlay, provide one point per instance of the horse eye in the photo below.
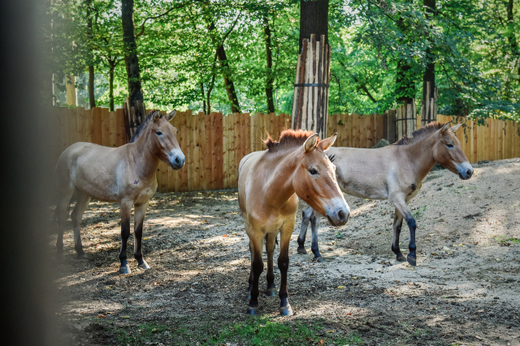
(159, 133)
(449, 145)
(313, 171)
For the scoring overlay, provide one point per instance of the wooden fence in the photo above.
(214, 144)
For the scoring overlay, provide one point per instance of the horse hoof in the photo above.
(271, 292)
(317, 259)
(252, 310)
(400, 258)
(144, 265)
(286, 311)
(302, 251)
(82, 256)
(124, 269)
(411, 260)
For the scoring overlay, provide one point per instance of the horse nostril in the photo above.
(469, 172)
(341, 215)
(177, 161)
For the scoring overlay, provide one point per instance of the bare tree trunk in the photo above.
(132, 63)
(269, 60)
(91, 75)
(311, 88)
(314, 19)
(429, 108)
(134, 109)
(111, 86)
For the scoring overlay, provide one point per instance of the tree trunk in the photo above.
(405, 78)
(515, 51)
(269, 60)
(91, 75)
(314, 19)
(429, 109)
(132, 63)
(226, 71)
(311, 88)
(111, 86)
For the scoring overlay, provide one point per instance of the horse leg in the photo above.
(398, 222)
(62, 208)
(283, 264)
(140, 211)
(315, 222)
(306, 215)
(256, 242)
(402, 207)
(77, 214)
(270, 244)
(126, 208)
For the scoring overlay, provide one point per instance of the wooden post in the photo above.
(311, 87)
(134, 116)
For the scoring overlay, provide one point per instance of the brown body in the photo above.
(394, 173)
(269, 185)
(125, 174)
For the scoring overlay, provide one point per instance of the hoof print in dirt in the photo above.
(125, 270)
(286, 311)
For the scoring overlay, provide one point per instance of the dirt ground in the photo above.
(465, 289)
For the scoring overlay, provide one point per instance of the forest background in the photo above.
(189, 52)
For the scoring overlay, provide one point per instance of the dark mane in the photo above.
(419, 134)
(288, 139)
(140, 129)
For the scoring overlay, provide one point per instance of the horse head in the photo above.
(315, 181)
(164, 137)
(448, 152)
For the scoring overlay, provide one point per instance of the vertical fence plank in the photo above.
(96, 125)
(120, 127)
(105, 127)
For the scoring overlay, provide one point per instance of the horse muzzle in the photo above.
(338, 216)
(465, 170)
(176, 158)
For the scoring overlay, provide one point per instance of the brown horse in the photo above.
(269, 184)
(395, 173)
(125, 174)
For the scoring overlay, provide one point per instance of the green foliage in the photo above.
(472, 43)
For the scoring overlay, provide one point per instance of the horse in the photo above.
(126, 174)
(269, 184)
(394, 173)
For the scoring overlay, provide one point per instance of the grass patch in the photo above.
(249, 330)
(507, 241)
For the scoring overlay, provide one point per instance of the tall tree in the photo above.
(429, 88)
(132, 63)
(91, 74)
(269, 63)
(314, 19)
(224, 65)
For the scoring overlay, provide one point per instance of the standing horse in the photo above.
(125, 174)
(269, 184)
(395, 173)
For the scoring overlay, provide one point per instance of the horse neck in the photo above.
(420, 155)
(144, 157)
(279, 184)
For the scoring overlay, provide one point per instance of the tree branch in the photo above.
(361, 86)
(156, 17)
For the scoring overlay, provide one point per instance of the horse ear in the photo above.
(328, 142)
(445, 128)
(171, 115)
(156, 115)
(310, 143)
(455, 128)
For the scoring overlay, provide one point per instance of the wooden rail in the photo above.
(214, 144)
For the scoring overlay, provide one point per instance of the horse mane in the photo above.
(419, 134)
(139, 131)
(288, 139)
